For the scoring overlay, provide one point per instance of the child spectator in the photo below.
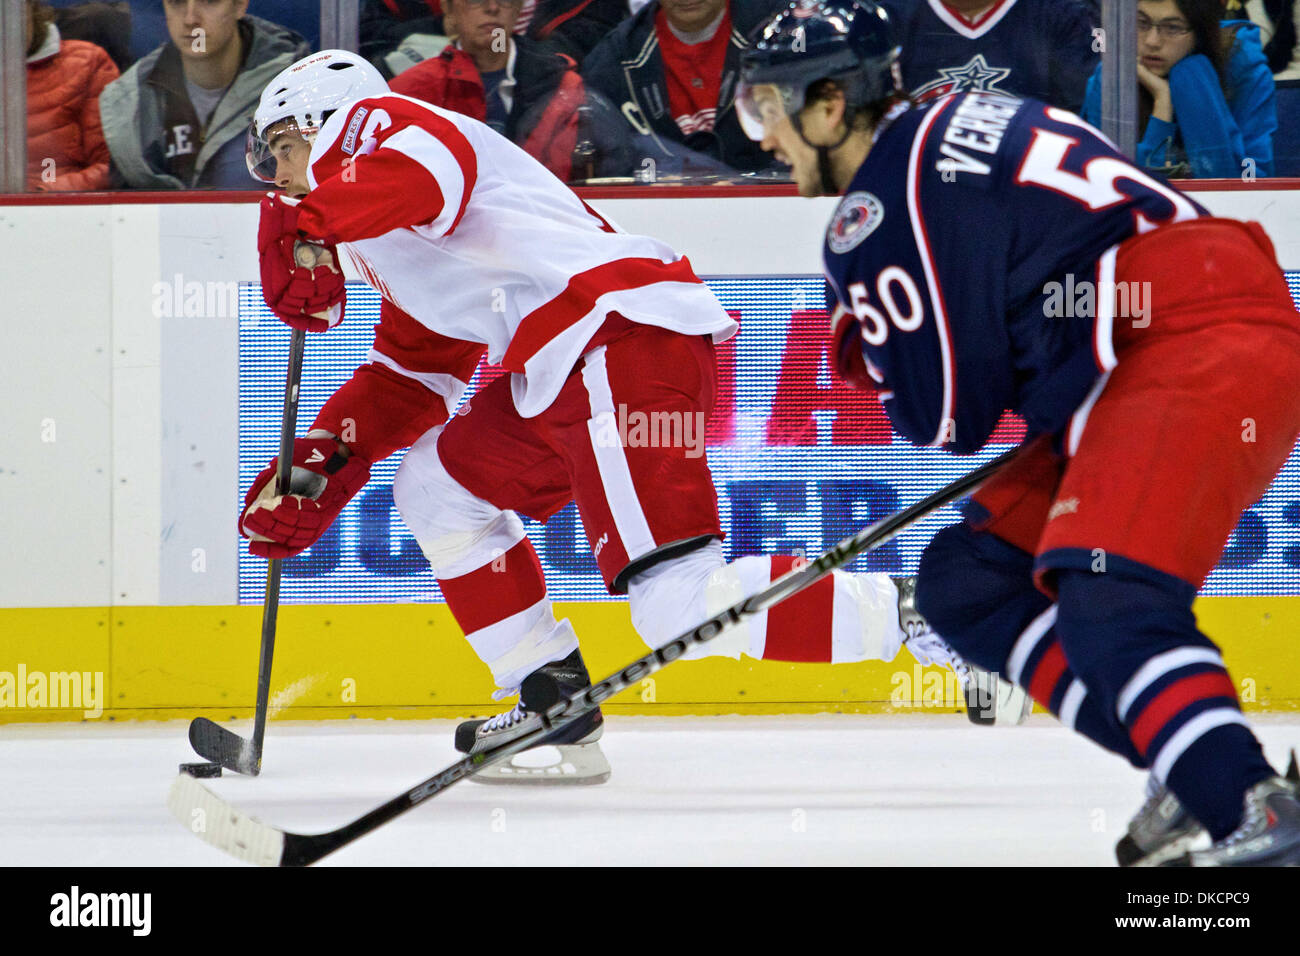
(65, 146)
(1037, 48)
(178, 118)
(1206, 99)
(523, 89)
(672, 70)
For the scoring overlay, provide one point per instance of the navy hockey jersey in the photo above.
(1041, 49)
(962, 245)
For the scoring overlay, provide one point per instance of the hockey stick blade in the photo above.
(248, 839)
(213, 742)
(228, 829)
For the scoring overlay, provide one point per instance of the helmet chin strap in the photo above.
(829, 186)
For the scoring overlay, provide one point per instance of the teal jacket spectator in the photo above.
(1212, 134)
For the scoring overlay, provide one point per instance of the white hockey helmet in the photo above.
(307, 93)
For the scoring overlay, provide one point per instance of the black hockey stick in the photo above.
(231, 830)
(209, 739)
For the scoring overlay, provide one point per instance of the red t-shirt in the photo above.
(693, 73)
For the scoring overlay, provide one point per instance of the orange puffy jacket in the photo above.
(64, 80)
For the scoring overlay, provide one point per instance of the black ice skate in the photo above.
(1269, 834)
(1161, 830)
(989, 699)
(580, 759)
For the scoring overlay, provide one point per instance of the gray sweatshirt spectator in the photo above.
(177, 119)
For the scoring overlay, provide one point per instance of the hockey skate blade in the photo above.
(992, 701)
(214, 821)
(1015, 701)
(577, 765)
(1173, 850)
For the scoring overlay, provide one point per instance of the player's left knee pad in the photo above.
(977, 592)
(456, 530)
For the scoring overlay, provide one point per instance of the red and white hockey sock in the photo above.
(840, 619)
(507, 618)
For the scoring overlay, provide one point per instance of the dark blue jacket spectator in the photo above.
(627, 69)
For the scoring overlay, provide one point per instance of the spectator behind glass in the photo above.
(149, 23)
(673, 66)
(1276, 20)
(574, 27)
(1206, 100)
(65, 147)
(500, 79)
(107, 25)
(394, 34)
(178, 118)
(397, 33)
(1037, 48)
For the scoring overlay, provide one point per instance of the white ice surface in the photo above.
(827, 789)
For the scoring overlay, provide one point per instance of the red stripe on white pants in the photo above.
(799, 628)
(508, 584)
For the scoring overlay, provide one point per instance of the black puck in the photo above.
(201, 769)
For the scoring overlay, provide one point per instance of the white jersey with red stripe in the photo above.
(476, 240)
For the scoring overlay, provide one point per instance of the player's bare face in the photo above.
(782, 140)
(763, 116)
(1164, 36)
(292, 156)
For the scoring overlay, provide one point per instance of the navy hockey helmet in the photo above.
(849, 41)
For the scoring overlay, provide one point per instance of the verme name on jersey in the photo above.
(977, 123)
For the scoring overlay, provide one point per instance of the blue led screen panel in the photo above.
(799, 460)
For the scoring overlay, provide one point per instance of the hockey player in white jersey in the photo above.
(474, 246)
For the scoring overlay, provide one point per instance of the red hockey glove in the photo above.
(300, 288)
(321, 482)
(846, 351)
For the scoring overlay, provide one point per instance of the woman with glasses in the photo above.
(1205, 102)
